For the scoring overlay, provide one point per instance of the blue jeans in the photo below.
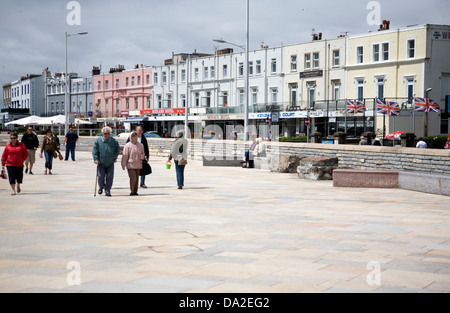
(180, 174)
(70, 147)
(48, 159)
(105, 177)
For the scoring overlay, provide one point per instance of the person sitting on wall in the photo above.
(421, 144)
(249, 156)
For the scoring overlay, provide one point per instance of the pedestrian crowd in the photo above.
(19, 157)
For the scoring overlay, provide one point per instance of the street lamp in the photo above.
(67, 79)
(246, 48)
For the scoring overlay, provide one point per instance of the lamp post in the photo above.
(246, 88)
(67, 79)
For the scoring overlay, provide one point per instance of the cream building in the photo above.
(400, 64)
(314, 76)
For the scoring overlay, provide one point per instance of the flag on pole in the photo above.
(355, 107)
(426, 105)
(388, 108)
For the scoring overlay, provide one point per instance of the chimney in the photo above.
(388, 24)
(320, 36)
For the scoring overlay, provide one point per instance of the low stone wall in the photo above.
(370, 157)
(349, 156)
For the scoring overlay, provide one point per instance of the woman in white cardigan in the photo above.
(133, 155)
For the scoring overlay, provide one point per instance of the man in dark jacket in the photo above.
(31, 141)
(143, 140)
(105, 153)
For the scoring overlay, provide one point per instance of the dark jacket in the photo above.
(105, 151)
(30, 141)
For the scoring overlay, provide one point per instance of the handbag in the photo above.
(3, 175)
(55, 155)
(146, 168)
(182, 161)
(60, 156)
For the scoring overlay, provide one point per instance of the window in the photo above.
(136, 103)
(106, 85)
(148, 79)
(376, 53)
(293, 63)
(379, 81)
(311, 94)
(206, 73)
(164, 78)
(197, 99)
(293, 95)
(360, 55)
(172, 77)
(359, 88)
(445, 85)
(132, 81)
(250, 68)
(128, 103)
(274, 66)
(241, 69)
(336, 58)
(159, 99)
(241, 97)
(183, 101)
(148, 102)
(225, 71)
(254, 96)
(183, 76)
(386, 51)
(213, 72)
(196, 74)
(258, 67)
(117, 84)
(409, 87)
(155, 78)
(307, 61)
(99, 85)
(411, 47)
(316, 59)
(139, 81)
(274, 95)
(127, 81)
(106, 107)
(117, 106)
(336, 90)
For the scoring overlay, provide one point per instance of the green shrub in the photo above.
(294, 139)
(435, 142)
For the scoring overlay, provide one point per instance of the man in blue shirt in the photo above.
(71, 142)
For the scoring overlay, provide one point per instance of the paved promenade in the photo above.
(229, 230)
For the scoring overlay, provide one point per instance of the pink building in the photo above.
(122, 91)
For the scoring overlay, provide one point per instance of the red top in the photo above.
(15, 155)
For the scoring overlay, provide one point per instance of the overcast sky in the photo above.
(147, 32)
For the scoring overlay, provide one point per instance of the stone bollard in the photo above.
(340, 138)
(316, 137)
(407, 140)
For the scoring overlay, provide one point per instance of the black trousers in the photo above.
(15, 174)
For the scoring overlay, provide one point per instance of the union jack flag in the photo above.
(355, 107)
(388, 108)
(426, 105)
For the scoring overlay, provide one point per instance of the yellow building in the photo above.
(400, 64)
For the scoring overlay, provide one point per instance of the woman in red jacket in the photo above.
(13, 157)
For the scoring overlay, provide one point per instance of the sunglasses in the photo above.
(13, 138)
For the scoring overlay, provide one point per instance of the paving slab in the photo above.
(230, 230)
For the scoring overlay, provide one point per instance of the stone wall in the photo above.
(349, 156)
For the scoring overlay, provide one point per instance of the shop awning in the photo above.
(136, 119)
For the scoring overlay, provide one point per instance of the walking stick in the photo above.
(96, 181)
